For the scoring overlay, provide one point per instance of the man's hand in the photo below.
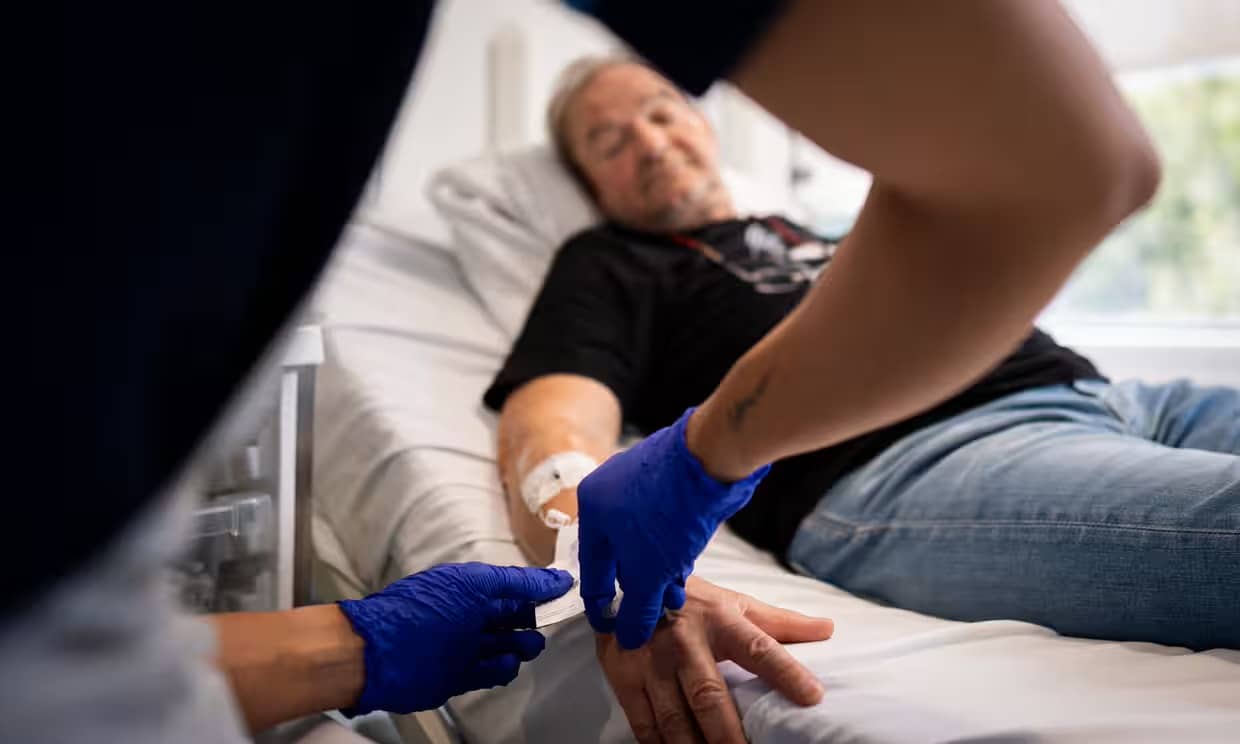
(671, 689)
(646, 515)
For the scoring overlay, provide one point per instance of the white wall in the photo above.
(1135, 34)
(1208, 353)
(445, 117)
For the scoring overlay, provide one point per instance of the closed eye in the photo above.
(662, 117)
(613, 146)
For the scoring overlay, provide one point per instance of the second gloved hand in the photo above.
(448, 630)
(645, 516)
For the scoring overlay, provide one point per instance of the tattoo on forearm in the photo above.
(740, 409)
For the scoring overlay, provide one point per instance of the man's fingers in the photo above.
(628, 683)
(702, 685)
(640, 715)
(640, 611)
(671, 712)
(598, 576)
(749, 646)
(787, 626)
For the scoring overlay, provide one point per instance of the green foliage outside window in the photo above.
(1180, 258)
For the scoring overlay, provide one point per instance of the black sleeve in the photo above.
(693, 42)
(593, 317)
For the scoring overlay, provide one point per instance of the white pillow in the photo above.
(509, 212)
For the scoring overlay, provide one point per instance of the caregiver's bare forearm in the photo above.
(284, 665)
(546, 416)
(891, 329)
(1001, 154)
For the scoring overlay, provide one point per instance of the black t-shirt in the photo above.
(660, 321)
(208, 156)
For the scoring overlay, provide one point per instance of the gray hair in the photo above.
(572, 80)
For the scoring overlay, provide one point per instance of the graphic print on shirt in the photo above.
(772, 263)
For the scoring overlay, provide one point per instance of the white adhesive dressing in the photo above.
(558, 472)
(569, 605)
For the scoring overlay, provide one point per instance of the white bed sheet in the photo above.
(405, 478)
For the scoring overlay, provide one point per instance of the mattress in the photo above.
(405, 478)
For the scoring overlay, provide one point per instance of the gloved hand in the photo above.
(448, 630)
(645, 516)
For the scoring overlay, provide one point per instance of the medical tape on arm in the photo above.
(569, 605)
(558, 472)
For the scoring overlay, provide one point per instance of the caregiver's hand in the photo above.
(671, 689)
(448, 630)
(646, 514)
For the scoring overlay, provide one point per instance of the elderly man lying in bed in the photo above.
(1043, 492)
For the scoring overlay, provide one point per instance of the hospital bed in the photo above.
(417, 321)
(405, 478)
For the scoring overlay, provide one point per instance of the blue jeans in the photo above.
(1103, 511)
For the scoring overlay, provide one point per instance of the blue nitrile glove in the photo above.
(645, 516)
(448, 630)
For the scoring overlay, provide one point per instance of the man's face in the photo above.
(650, 156)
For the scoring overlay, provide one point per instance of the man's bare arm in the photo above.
(1001, 154)
(546, 416)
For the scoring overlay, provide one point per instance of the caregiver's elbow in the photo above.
(1130, 182)
(1098, 190)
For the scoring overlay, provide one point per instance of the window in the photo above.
(1179, 259)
